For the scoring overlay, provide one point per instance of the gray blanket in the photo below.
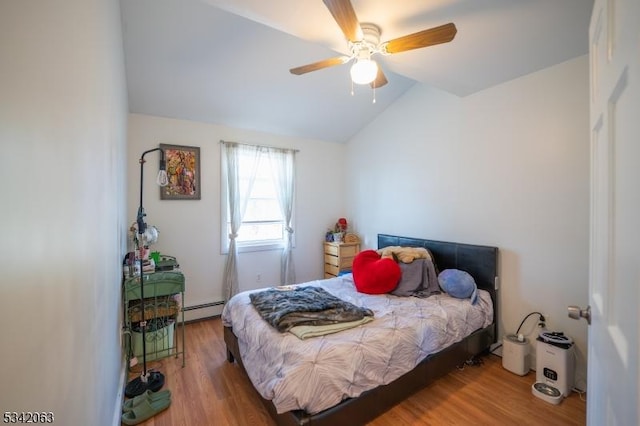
(284, 309)
(419, 278)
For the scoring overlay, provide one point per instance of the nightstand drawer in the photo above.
(331, 269)
(342, 249)
(341, 262)
(331, 249)
(331, 260)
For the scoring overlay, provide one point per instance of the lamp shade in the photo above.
(364, 71)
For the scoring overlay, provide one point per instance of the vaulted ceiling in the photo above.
(227, 61)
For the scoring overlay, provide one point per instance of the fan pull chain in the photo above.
(352, 93)
(374, 94)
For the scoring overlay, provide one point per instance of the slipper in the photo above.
(145, 410)
(147, 395)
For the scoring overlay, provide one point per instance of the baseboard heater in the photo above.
(202, 306)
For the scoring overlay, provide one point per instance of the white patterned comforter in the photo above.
(318, 373)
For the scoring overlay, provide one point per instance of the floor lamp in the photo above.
(148, 380)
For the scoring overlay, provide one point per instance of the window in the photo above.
(262, 221)
(263, 225)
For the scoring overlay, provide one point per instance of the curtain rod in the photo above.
(260, 146)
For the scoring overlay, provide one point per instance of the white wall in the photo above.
(190, 229)
(508, 167)
(63, 113)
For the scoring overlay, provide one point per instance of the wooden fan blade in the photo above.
(380, 80)
(345, 16)
(430, 37)
(319, 65)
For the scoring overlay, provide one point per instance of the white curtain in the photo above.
(237, 198)
(283, 167)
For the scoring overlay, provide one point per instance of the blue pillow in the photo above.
(459, 284)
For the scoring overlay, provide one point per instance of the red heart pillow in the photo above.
(373, 275)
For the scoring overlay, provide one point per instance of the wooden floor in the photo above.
(211, 391)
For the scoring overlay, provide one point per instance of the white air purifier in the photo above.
(555, 367)
(515, 354)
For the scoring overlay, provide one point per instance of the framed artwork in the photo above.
(183, 171)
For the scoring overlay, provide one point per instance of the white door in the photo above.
(612, 391)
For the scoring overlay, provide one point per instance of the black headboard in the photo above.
(479, 261)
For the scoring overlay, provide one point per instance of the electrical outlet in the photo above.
(543, 321)
(258, 277)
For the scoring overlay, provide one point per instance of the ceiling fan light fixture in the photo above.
(364, 71)
(364, 41)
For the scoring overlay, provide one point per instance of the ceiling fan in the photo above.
(364, 41)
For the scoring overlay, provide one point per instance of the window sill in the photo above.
(247, 248)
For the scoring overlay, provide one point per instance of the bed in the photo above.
(479, 261)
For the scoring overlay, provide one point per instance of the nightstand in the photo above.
(338, 257)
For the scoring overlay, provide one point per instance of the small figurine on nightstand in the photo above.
(337, 233)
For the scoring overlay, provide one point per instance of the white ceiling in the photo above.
(227, 61)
